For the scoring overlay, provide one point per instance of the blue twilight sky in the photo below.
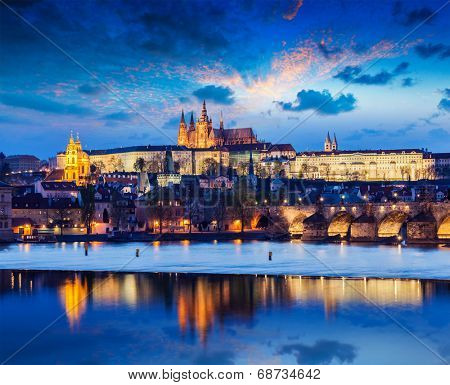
(119, 72)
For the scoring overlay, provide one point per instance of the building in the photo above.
(169, 177)
(215, 157)
(76, 168)
(125, 158)
(56, 189)
(201, 134)
(364, 165)
(33, 211)
(22, 163)
(6, 233)
(240, 154)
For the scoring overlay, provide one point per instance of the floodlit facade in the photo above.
(365, 165)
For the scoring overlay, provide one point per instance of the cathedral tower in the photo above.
(327, 144)
(334, 145)
(183, 139)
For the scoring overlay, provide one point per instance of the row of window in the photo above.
(4, 225)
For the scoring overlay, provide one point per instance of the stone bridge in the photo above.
(417, 221)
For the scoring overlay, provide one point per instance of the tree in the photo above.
(139, 164)
(105, 216)
(154, 166)
(159, 210)
(88, 206)
(220, 209)
(119, 209)
(99, 165)
(192, 210)
(210, 166)
(242, 168)
(118, 165)
(276, 168)
(60, 214)
(243, 200)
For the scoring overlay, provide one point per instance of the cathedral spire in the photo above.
(221, 121)
(327, 145)
(182, 132)
(192, 124)
(204, 117)
(334, 145)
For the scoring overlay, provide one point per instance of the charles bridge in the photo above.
(416, 221)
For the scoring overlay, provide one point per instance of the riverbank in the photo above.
(249, 235)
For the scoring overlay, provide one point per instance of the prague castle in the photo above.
(364, 165)
(200, 145)
(202, 134)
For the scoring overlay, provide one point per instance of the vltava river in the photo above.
(237, 257)
(64, 317)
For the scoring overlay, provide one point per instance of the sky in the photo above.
(376, 73)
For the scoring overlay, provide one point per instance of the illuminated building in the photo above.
(202, 134)
(365, 165)
(76, 167)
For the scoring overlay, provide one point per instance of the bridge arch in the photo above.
(340, 224)
(391, 224)
(261, 221)
(296, 227)
(444, 228)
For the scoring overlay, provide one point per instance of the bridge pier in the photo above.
(364, 229)
(315, 228)
(422, 228)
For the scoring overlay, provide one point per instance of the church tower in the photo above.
(203, 130)
(327, 144)
(77, 162)
(183, 139)
(334, 145)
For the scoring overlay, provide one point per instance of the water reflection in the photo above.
(201, 301)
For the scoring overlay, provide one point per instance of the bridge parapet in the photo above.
(369, 221)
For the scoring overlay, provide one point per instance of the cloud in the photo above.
(184, 99)
(352, 73)
(292, 12)
(408, 82)
(88, 89)
(417, 16)
(439, 133)
(328, 52)
(428, 50)
(42, 104)
(411, 17)
(323, 102)
(321, 353)
(216, 94)
(121, 115)
(444, 103)
(171, 124)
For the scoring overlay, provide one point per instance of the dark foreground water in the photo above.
(145, 318)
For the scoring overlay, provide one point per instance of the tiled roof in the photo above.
(60, 186)
(248, 147)
(282, 147)
(349, 152)
(55, 175)
(136, 149)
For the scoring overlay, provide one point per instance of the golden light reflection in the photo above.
(202, 303)
(73, 295)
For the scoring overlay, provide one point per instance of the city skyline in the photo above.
(120, 74)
